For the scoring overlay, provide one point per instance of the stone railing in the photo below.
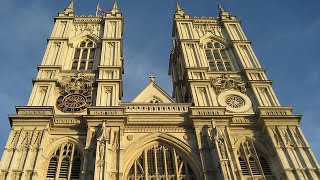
(156, 108)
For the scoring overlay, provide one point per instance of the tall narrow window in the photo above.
(252, 162)
(84, 56)
(218, 57)
(162, 163)
(65, 163)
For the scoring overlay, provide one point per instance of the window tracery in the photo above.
(65, 163)
(160, 163)
(218, 57)
(252, 162)
(84, 56)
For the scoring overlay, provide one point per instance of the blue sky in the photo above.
(285, 36)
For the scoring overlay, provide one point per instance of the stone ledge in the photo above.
(35, 110)
(275, 111)
(207, 111)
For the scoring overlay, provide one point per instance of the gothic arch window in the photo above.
(84, 55)
(160, 163)
(65, 163)
(217, 56)
(252, 162)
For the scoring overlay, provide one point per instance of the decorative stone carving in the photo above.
(130, 137)
(71, 121)
(75, 93)
(226, 82)
(14, 140)
(24, 145)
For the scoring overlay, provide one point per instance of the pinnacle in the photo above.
(70, 8)
(70, 5)
(220, 8)
(114, 8)
(178, 9)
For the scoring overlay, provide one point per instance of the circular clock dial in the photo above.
(74, 101)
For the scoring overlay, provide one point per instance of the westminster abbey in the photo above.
(222, 121)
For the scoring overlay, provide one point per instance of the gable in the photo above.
(153, 94)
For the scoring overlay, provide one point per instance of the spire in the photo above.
(178, 9)
(114, 8)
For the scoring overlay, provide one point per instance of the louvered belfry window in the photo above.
(251, 161)
(65, 163)
(84, 56)
(160, 163)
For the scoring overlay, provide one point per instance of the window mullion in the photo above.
(70, 162)
(176, 165)
(155, 161)
(165, 162)
(135, 169)
(257, 160)
(145, 165)
(59, 163)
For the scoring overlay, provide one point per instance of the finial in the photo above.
(220, 8)
(114, 8)
(178, 8)
(152, 78)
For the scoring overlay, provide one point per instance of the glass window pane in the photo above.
(77, 54)
(83, 44)
(212, 66)
(82, 65)
(84, 54)
(209, 54)
(160, 164)
(228, 66)
(90, 65)
(90, 44)
(224, 54)
(92, 51)
(150, 159)
(217, 45)
(74, 65)
(209, 45)
(170, 164)
(220, 66)
(216, 54)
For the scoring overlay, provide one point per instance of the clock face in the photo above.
(74, 101)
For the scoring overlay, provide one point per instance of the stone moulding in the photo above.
(275, 111)
(35, 110)
(207, 111)
(106, 111)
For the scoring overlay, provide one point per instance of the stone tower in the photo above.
(222, 122)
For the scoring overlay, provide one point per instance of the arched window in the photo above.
(218, 57)
(251, 162)
(84, 56)
(160, 163)
(65, 163)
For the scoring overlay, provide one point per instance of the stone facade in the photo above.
(222, 122)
